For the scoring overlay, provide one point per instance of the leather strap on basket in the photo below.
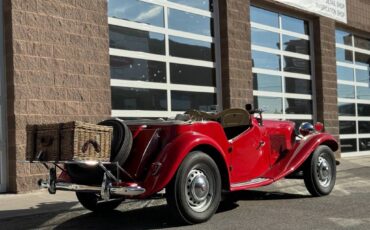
(93, 143)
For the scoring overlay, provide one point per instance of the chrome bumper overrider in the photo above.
(105, 191)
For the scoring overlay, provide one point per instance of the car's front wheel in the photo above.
(320, 171)
(93, 202)
(195, 191)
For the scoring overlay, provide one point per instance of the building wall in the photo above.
(358, 13)
(57, 70)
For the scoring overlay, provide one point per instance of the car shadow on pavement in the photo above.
(262, 195)
(145, 218)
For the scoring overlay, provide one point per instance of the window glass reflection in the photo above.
(182, 101)
(363, 93)
(344, 73)
(269, 104)
(346, 109)
(294, 24)
(364, 127)
(297, 65)
(265, 38)
(362, 59)
(294, 85)
(348, 145)
(138, 99)
(342, 37)
(363, 110)
(190, 48)
(201, 4)
(346, 91)
(362, 76)
(188, 22)
(364, 144)
(347, 127)
(264, 82)
(298, 106)
(136, 11)
(362, 43)
(136, 40)
(192, 75)
(344, 55)
(265, 60)
(137, 69)
(296, 45)
(265, 17)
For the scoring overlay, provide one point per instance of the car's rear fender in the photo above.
(298, 155)
(166, 164)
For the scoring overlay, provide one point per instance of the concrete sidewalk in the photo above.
(13, 205)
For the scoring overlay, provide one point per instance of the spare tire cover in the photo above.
(120, 149)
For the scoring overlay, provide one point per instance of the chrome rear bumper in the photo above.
(105, 191)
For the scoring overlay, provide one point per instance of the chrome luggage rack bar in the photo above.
(105, 190)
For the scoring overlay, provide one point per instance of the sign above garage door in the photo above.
(335, 9)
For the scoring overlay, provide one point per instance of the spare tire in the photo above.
(120, 149)
(122, 140)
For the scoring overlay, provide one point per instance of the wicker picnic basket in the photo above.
(68, 141)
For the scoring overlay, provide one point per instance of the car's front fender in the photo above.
(297, 156)
(166, 164)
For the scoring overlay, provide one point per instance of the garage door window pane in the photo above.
(137, 69)
(362, 59)
(296, 45)
(294, 24)
(363, 93)
(364, 127)
(265, 60)
(269, 104)
(346, 91)
(265, 17)
(192, 75)
(298, 106)
(138, 99)
(136, 11)
(362, 76)
(188, 22)
(344, 55)
(297, 65)
(363, 110)
(301, 86)
(136, 40)
(348, 145)
(362, 43)
(364, 144)
(182, 101)
(190, 48)
(265, 38)
(347, 127)
(347, 109)
(264, 82)
(343, 37)
(201, 4)
(344, 73)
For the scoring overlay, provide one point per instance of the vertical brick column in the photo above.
(236, 64)
(57, 60)
(325, 74)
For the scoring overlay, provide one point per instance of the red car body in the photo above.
(195, 159)
(258, 156)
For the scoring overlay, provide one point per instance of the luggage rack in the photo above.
(106, 190)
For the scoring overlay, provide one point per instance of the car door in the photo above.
(249, 156)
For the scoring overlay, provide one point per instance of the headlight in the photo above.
(306, 128)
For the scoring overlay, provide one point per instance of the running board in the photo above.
(251, 183)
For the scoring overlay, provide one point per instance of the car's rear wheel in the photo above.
(320, 172)
(93, 202)
(195, 191)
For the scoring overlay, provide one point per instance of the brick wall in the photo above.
(57, 70)
(358, 13)
(236, 67)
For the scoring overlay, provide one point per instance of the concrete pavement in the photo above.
(16, 205)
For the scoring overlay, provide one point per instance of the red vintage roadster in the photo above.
(196, 157)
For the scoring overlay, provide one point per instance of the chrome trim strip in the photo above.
(250, 182)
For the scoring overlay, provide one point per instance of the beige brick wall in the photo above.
(236, 64)
(57, 70)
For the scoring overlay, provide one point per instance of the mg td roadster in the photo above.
(196, 157)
